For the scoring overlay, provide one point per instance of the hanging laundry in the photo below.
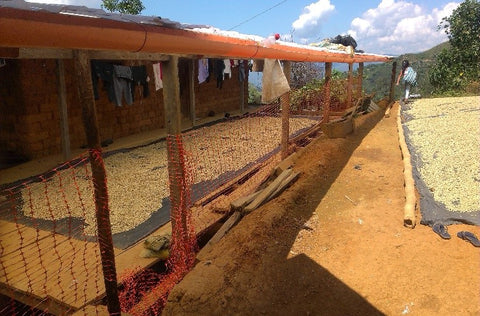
(140, 77)
(228, 68)
(241, 70)
(274, 82)
(157, 74)
(257, 65)
(103, 71)
(219, 68)
(122, 81)
(203, 72)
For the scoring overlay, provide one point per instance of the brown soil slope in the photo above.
(334, 244)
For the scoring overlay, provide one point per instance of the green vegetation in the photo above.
(377, 77)
(133, 7)
(458, 67)
(449, 69)
(254, 94)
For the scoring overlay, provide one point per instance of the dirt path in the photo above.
(334, 244)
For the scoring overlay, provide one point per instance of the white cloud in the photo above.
(398, 27)
(308, 23)
(86, 3)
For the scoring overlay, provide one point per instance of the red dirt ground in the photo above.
(334, 244)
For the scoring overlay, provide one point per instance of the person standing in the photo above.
(409, 76)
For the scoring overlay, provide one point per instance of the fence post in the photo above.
(191, 85)
(177, 173)
(326, 105)
(392, 81)
(102, 211)
(62, 106)
(360, 81)
(285, 105)
(349, 85)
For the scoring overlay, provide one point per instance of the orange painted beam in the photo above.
(43, 29)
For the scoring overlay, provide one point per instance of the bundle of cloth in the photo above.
(344, 43)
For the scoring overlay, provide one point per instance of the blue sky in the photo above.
(383, 27)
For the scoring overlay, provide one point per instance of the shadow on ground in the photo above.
(253, 270)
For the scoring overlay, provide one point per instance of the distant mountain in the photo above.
(377, 76)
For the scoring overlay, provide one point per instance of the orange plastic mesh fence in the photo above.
(49, 252)
(50, 258)
(208, 161)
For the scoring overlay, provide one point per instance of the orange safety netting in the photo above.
(49, 238)
(48, 263)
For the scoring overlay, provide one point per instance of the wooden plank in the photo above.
(78, 276)
(227, 187)
(240, 203)
(98, 310)
(284, 184)
(263, 196)
(42, 303)
(232, 221)
(17, 236)
(285, 164)
(409, 218)
(59, 53)
(62, 108)
(9, 52)
(120, 55)
(56, 267)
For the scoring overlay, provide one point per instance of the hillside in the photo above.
(376, 75)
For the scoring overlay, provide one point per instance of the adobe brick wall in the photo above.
(30, 119)
(210, 98)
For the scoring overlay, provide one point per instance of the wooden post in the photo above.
(171, 96)
(242, 84)
(326, 102)
(392, 81)
(242, 96)
(192, 91)
(102, 211)
(349, 85)
(176, 159)
(285, 105)
(62, 107)
(360, 81)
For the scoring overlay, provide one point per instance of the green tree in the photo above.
(459, 66)
(254, 94)
(124, 6)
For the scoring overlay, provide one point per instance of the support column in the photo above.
(349, 85)
(192, 90)
(326, 97)
(179, 190)
(62, 107)
(392, 81)
(285, 105)
(360, 81)
(102, 211)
